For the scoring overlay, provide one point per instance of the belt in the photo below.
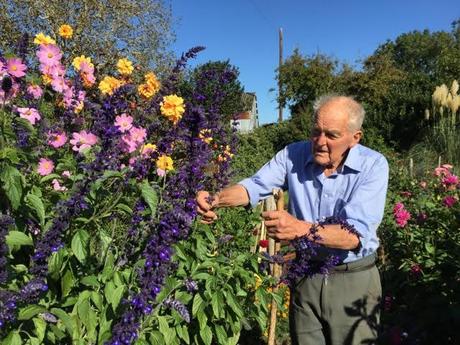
(359, 265)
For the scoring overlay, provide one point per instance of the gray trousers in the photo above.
(342, 308)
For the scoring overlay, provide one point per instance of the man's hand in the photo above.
(205, 206)
(282, 226)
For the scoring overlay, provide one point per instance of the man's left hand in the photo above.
(283, 226)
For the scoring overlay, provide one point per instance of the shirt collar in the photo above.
(352, 161)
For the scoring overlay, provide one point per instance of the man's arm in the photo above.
(235, 195)
(283, 226)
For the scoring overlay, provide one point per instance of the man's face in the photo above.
(330, 136)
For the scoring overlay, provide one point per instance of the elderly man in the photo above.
(329, 175)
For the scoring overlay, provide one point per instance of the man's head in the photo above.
(336, 129)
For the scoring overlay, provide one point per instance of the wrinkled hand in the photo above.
(204, 206)
(283, 226)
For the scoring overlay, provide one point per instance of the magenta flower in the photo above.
(30, 114)
(16, 68)
(49, 55)
(398, 206)
(82, 140)
(449, 201)
(57, 139)
(35, 91)
(45, 166)
(402, 218)
(127, 144)
(450, 180)
(401, 214)
(124, 122)
(138, 134)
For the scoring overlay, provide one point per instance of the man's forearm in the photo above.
(235, 195)
(333, 236)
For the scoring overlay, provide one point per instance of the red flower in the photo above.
(263, 243)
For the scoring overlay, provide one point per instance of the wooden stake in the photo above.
(276, 272)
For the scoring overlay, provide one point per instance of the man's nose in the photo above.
(321, 139)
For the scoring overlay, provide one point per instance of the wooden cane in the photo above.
(276, 270)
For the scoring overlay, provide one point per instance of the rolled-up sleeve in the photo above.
(366, 206)
(271, 175)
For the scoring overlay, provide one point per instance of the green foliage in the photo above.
(394, 85)
(258, 147)
(104, 30)
(218, 259)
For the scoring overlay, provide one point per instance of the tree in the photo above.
(104, 30)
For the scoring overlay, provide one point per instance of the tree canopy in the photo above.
(104, 29)
(395, 83)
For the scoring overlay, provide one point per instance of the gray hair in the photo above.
(354, 109)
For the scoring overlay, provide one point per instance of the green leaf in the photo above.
(35, 203)
(168, 333)
(230, 299)
(149, 195)
(429, 248)
(156, 338)
(125, 208)
(90, 281)
(12, 184)
(216, 303)
(18, 238)
(49, 177)
(221, 334)
(107, 272)
(55, 263)
(30, 311)
(206, 335)
(197, 305)
(97, 300)
(182, 332)
(80, 245)
(13, 338)
(67, 282)
(40, 328)
(10, 154)
(83, 312)
(201, 276)
(113, 295)
(202, 320)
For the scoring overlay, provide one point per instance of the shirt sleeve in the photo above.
(271, 175)
(366, 206)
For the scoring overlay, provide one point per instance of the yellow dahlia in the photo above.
(152, 81)
(109, 84)
(125, 67)
(172, 107)
(65, 31)
(41, 38)
(146, 91)
(165, 163)
(79, 59)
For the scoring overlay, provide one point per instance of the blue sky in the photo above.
(246, 32)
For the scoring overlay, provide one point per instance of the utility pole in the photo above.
(280, 108)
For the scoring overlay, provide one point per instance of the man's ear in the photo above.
(356, 137)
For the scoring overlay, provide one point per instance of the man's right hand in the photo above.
(205, 204)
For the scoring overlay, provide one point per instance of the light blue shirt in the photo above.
(356, 192)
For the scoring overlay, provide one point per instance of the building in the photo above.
(247, 121)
